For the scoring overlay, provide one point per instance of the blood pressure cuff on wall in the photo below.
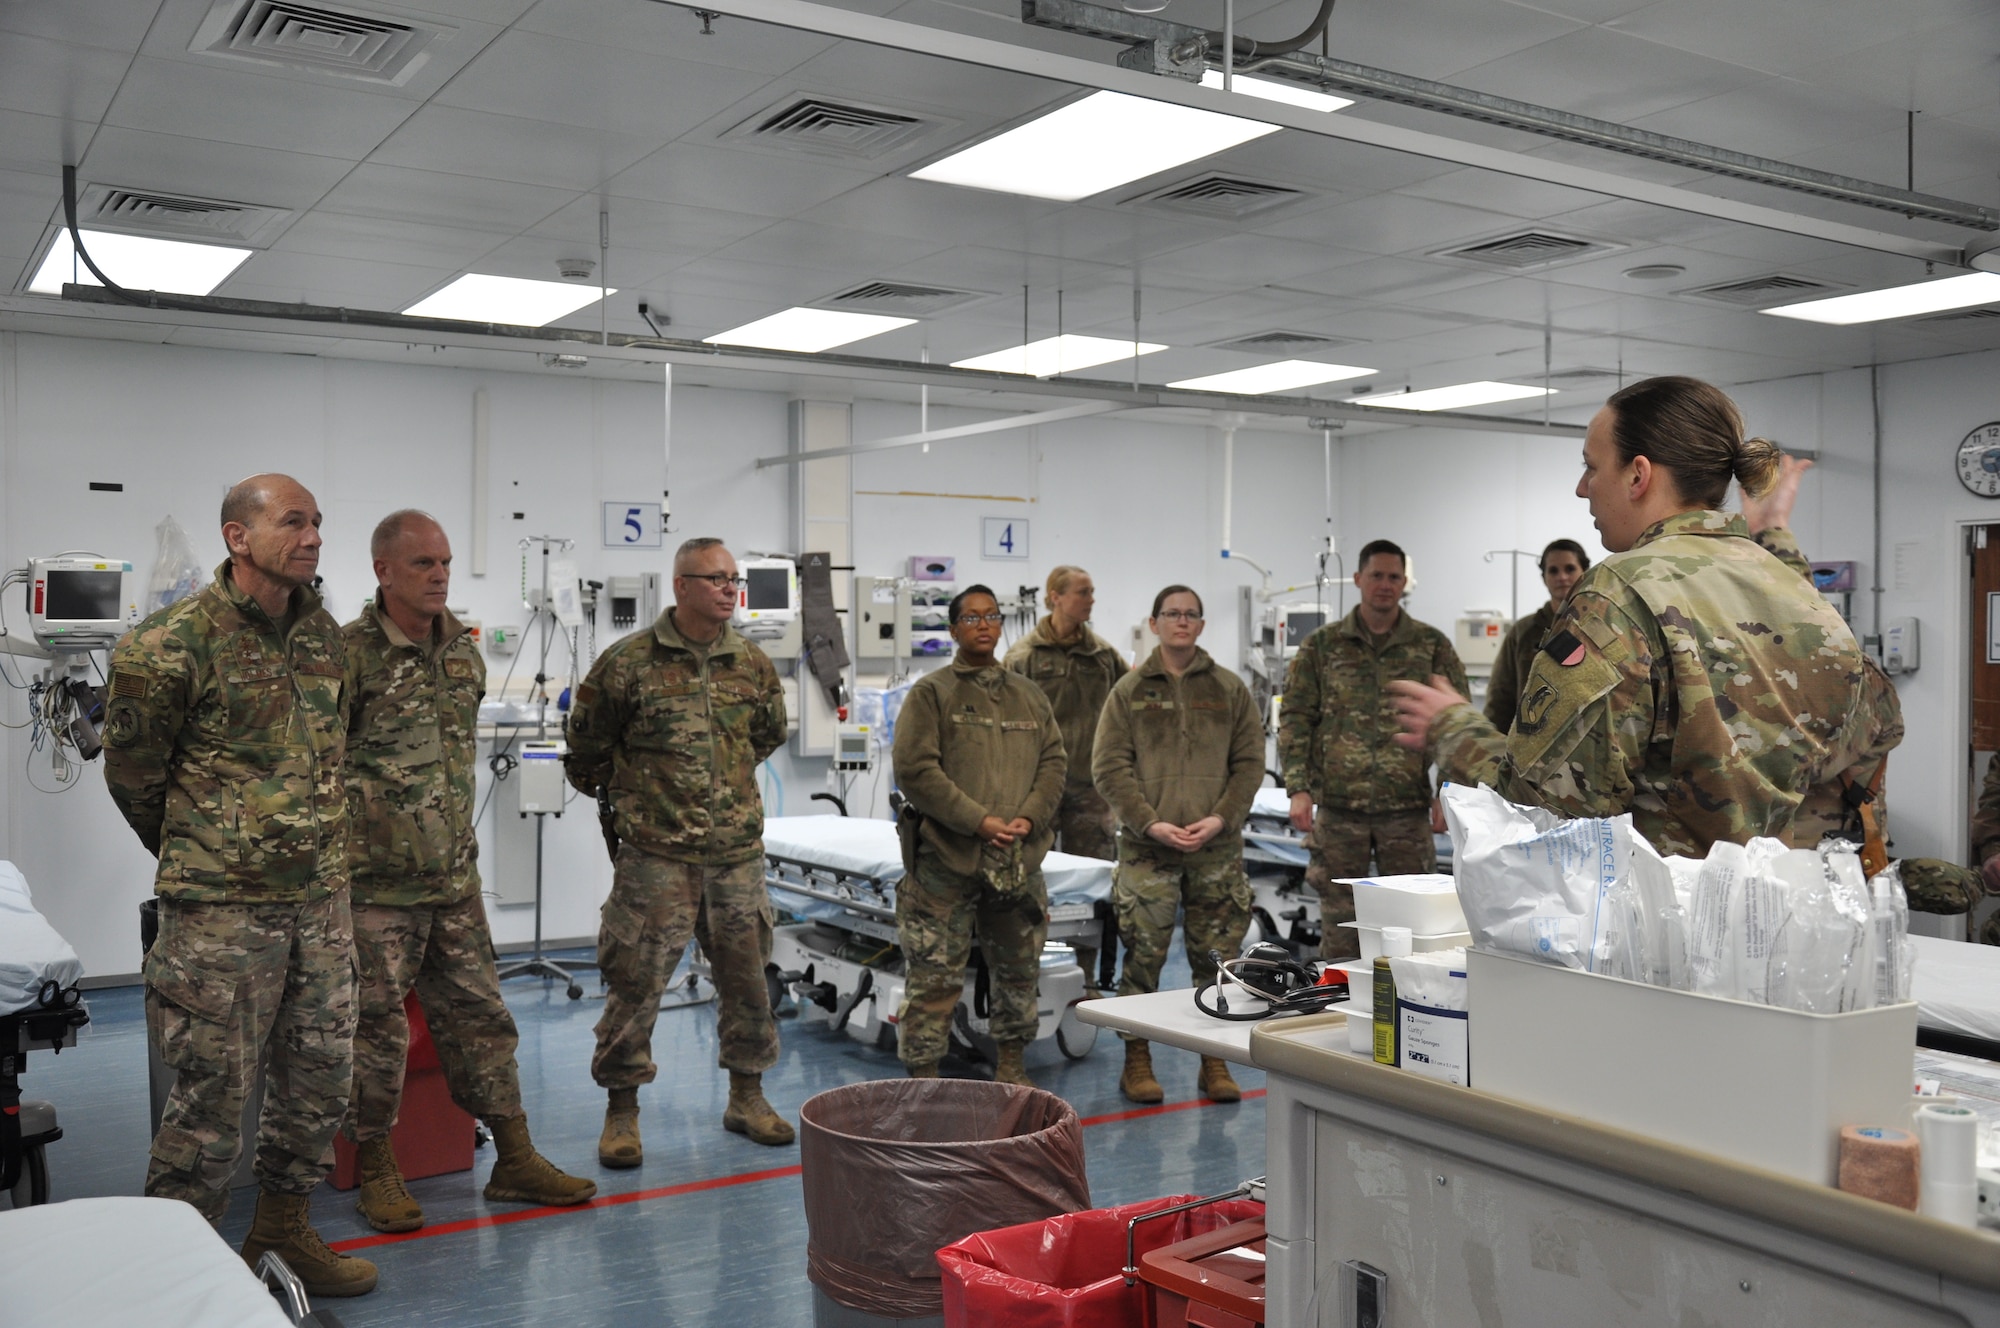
(825, 642)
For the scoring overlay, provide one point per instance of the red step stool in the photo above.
(432, 1135)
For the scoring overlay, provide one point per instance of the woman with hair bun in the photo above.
(1693, 679)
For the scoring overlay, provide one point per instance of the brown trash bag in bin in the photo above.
(896, 1169)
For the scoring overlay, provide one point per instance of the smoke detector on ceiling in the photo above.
(576, 269)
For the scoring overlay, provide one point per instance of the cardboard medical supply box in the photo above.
(1763, 1086)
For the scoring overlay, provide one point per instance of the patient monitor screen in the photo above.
(767, 588)
(83, 596)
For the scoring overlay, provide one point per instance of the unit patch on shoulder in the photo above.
(586, 693)
(1564, 649)
(127, 683)
(460, 668)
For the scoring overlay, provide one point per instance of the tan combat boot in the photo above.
(1137, 1082)
(929, 1070)
(1216, 1085)
(1012, 1067)
(284, 1227)
(525, 1176)
(384, 1199)
(749, 1114)
(618, 1146)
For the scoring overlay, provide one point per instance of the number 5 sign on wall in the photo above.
(1005, 537)
(631, 525)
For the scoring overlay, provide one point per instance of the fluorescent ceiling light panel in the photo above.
(1104, 140)
(1054, 355)
(810, 330)
(137, 262)
(1456, 396)
(1925, 297)
(1272, 90)
(1280, 377)
(513, 300)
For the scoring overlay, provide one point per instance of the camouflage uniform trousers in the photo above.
(1342, 844)
(1208, 890)
(937, 913)
(1085, 827)
(656, 904)
(224, 982)
(445, 951)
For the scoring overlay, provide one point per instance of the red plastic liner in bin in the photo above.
(1068, 1271)
(895, 1168)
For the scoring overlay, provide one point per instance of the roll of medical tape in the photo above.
(1950, 1139)
(1879, 1163)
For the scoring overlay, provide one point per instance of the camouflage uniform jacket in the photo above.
(223, 743)
(1693, 680)
(1510, 669)
(1180, 749)
(677, 736)
(973, 743)
(412, 710)
(1824, 810)
(1076, 677)
(1986, 815)
(1335, 728)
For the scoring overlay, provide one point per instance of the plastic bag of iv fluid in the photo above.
(1589, 894)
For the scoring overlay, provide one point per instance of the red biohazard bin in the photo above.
(1214, 1280)
(432, 1135)
(1068, 1271)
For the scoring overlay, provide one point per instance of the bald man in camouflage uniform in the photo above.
(673, 722)
(222, 748)
(414, 681)
(1337, 748)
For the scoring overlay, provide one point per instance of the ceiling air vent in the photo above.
(832, 128)
(1227, 197)
(335, 39)
(144, 212)
(1772, 288)
(1585, 375)
(1283, 343)
(1528, 249)
(1961, 315)
(899, 297)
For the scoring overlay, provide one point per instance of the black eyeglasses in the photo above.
(720, 580)
(974, 619)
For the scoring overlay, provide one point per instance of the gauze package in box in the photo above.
(31, 952)
(1589, 894)
(1431, 1006)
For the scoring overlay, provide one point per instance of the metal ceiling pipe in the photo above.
(1181, 50)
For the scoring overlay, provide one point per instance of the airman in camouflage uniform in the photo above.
(222, 748)
(1561, 565)
(414, 682)
(674, 721)
(979, 757)
(1180, 753)
(1986, 843)
(1337, 748)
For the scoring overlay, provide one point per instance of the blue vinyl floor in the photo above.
(695, 1236)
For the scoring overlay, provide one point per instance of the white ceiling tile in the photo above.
(798, 244)
(322, 279)
(439, 198)
(1252, 260)
(38, 143)
(1608, 74)
(1438, 38)
(113, 24)
(643, 224)
(919, 209)
(1507, 194)
(1586, 11)
(536, 257)
(639, 25)
(1938, 70)
(343, 235)
(1781, 36)
(1312, 161)
(138, 159)
(501, 147)
(1397, 224)
(228, 105)
(543, 78)
(51, 77)
(704, 175)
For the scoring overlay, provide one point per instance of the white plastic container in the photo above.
(1371, 942)
(1360, 1032)
(1759, 1085)
(1427, 905)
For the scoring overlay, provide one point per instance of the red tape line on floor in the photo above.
(692, 1187)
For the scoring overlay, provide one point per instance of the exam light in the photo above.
(1283, 376)
(1098, 143)
(137, 262)
(1454, 397)
(1054, 355)
(810, 330)
(516, 301)
(1272, 90)
(1924, 297)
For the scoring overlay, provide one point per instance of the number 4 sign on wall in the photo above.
(1005, 537)
(631, 525)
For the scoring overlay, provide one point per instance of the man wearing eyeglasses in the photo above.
(673, 722)
(1179, 756)
(980, 761)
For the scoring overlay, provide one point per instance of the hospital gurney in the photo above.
(139, 1261)
(838, 876)
(40, 1009)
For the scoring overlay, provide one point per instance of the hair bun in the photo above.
(1756, 465)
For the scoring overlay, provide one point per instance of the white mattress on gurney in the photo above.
(863, 846)
(31, 951)
(1956, 986)
(126, 1261)
(1272, 802)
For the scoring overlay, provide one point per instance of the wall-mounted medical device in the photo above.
(543, 788)
(881, 617)
(77, 601)
(768, 603)
(634, 599)
(1899, 645)
(853, 747)
(1477, 637)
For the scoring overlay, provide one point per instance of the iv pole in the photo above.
(538, 964)
(1513, 579)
